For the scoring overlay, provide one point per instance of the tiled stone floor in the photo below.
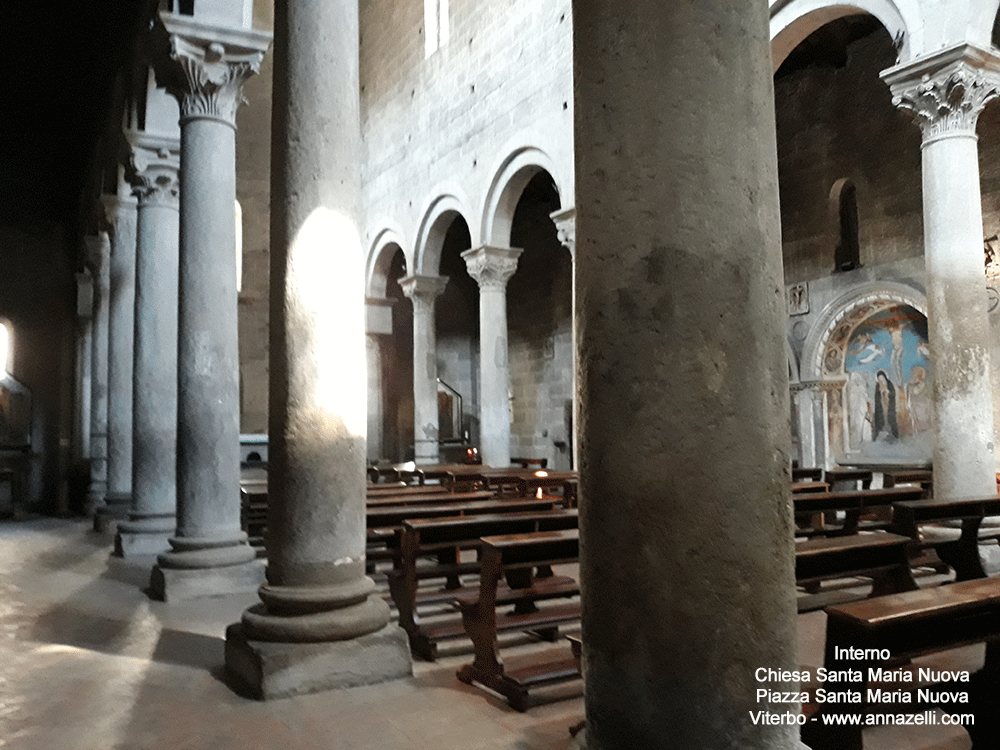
(88, 662)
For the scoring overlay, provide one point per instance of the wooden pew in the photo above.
(834, 476)
(398, 489)
(527, 463)
(854, 503)
(962, 553)
(882, 557)
(385, 522)
(515, 557)
(908, 625)
(800, 487)
(432, 498)
(896, 477)
(432, 536)
(814, 474)
(253, 515)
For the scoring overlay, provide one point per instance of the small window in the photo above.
(435, 26)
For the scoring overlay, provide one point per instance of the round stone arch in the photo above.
(387, 243)
(794, 20)
(823, 352)
(438, 217)
(509, 181)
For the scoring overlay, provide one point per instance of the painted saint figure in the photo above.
(885, 427)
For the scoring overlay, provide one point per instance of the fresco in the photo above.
(888, 392)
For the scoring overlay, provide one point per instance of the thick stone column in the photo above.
(685, 518)
(946, 91)
(152, 519)
(565, 221)
(120, 211)
(492, 268)
(423, 291)
(993, 303)
(98, 257)
(210, 552)
(318, 626)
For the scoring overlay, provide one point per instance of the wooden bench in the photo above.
(515, 558)
(896, 477)
(443, 538)
(438, 498)
(882, 557)
(855, 503)
(401, 490)
(253, 514)
(962, 553)
(909, 625)
(527, 463)
(384, 522)
(833, 477)
(814, 474)
(800, 487)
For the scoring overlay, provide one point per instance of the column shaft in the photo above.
(210, 552)
(153, 519)
(958, 327)
(686, 530)
(99, 251)
(317, 627)
(492, 268)
(423, 291)
(946, 91)
(120, 343)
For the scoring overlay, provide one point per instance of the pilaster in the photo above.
(565, 221)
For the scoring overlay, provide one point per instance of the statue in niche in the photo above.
(884, 427)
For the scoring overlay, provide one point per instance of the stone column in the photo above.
(98, 255)
(946, 91)
(152, 518)
(423, 291)
(318, 626)
(210, 552)
(993, 304)
(685, 516)
(492, 268)
(120, 211)
(802, 395)
(373, 356)
(84, 348)
(565, 221)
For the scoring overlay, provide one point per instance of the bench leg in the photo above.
(985, 692)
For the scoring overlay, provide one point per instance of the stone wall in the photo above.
(253, 174)
(38, 298)
(834, 123)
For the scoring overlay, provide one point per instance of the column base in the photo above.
(113, 512)
(144, 536)
(269, 670)
(179, 584)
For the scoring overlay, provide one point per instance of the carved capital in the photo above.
(491, 267)
(565, 221)
(423, 290)
(153, 170)
(947, 90)
(207, 66)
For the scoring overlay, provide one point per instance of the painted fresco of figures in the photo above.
(886, 363)
(884, 424)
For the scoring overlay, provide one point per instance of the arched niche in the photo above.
(387, 243)
(873, 342)
(794, 20)
(504, 194)
(843, 218)
(437, 220)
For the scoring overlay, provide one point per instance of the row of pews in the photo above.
(883, 534)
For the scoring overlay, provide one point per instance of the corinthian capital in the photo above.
(423, 290)
(565, 221)
(205, 66)
(946, 90)
(154, 164)
(491, 267)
